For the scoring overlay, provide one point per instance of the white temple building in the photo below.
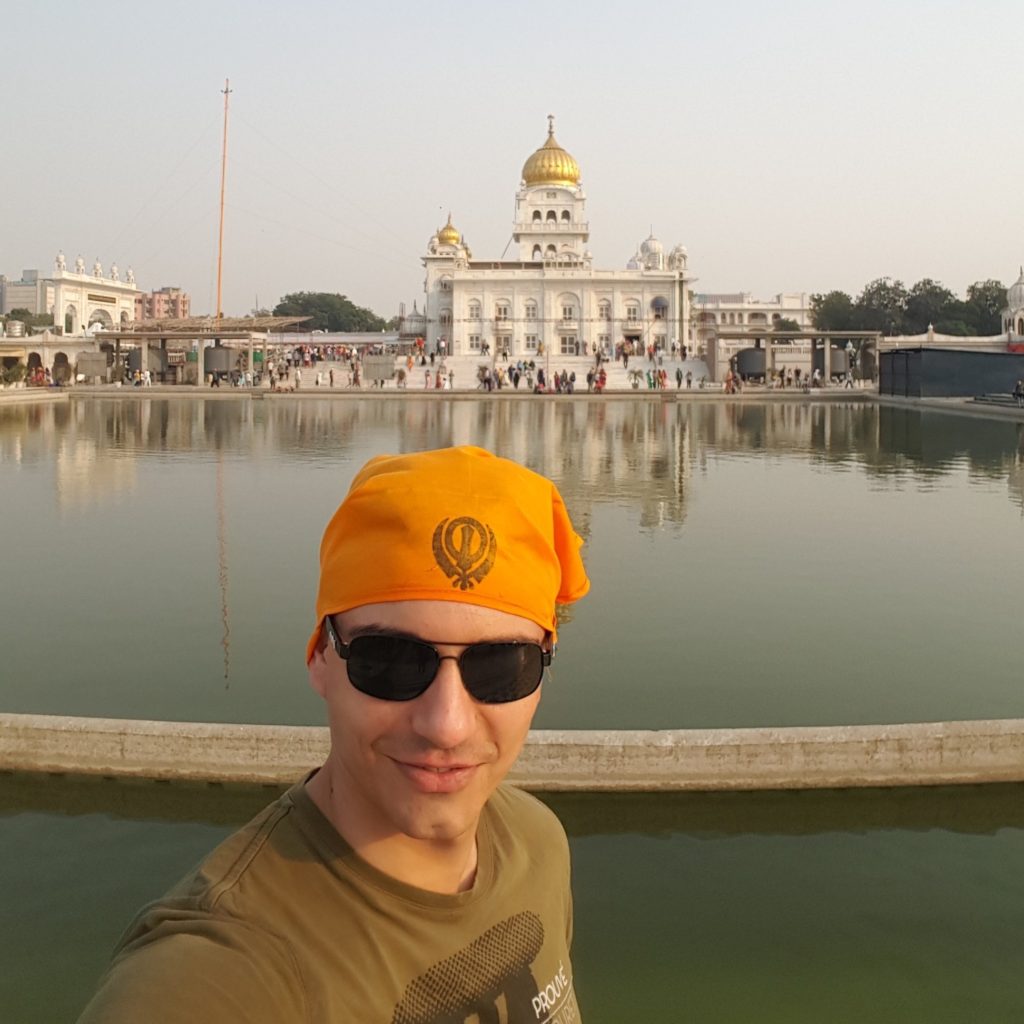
(551, 297)
(77, 300)
(1013, 315)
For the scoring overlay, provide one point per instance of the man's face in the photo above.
(425, 767)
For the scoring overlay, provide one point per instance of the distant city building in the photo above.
(74, 298)
(550, 297)
(164, 304)
(32, 292)
(740, 310)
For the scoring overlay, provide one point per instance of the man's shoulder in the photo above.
(518, 810)
(239, 854)
(211, 925)
(243, 881)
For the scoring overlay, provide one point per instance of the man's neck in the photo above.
(442, 865)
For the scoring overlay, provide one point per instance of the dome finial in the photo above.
(551, 125)
(449, 234)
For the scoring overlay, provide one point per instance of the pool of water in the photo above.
(775, 564)
(752, 564)
(894, 905)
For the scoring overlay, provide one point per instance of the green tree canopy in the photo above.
(30, 319)
(886, 305)
(987, 299)
(882, 305)
(928, 303)
(784, 323)
(833, 312)
(329, 312)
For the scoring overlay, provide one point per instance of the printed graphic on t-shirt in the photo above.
(491, 981)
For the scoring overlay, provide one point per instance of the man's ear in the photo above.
(318, 668)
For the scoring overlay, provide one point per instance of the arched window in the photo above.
(632, 311)
(537, 253)
(1020, 326)
(474, 310)
(537, 216)
(551, 251)
(565, 217)
(445, 284)
(502, 310)
(604, 310)
(552, 217)
(445, 318)
(530, 310)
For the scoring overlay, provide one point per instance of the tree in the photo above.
(987, 300)
(881, 306)
(784, 323)
(833, 312)
(30, 319)
(927, 303)
(329, 312)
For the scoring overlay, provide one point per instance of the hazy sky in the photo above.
(791, 146)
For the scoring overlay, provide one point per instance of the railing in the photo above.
(540, 227)
(802, 757)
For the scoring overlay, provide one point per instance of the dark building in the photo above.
(947, 373)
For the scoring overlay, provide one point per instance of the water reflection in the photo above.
(640, 452)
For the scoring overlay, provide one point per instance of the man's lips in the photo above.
(428, 777)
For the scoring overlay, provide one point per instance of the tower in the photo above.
(550, 220)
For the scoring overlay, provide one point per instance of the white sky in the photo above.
(792, 146)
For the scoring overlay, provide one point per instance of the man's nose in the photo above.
(445, 714)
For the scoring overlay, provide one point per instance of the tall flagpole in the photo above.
(223, 176)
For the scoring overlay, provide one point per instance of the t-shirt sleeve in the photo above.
(218, 972)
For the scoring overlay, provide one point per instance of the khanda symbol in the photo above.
(469, 558)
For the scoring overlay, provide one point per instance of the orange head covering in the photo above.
(454, 524)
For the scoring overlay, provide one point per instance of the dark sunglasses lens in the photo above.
(391, 667)
(501, 673)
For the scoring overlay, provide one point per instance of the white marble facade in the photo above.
(77, 299)
(1013, 314)
(551, 297)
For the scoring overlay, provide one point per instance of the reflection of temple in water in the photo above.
(82, 479)
(641, 453)
(1015, 477)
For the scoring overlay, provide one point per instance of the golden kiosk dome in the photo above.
(449, 234)
(551, 165)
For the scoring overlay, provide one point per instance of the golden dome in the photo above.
(449, 234)
(551, 165)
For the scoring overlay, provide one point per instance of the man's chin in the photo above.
(440, 817)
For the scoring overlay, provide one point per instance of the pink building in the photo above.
(164, 304)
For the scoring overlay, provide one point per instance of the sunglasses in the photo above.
(401, 668)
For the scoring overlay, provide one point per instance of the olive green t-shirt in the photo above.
(284, 922)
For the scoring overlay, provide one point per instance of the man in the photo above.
(401, 881)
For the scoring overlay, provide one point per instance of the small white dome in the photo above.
(651, 246)
(1015, 293)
